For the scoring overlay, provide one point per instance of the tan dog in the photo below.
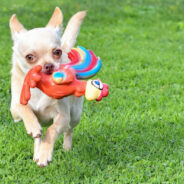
(43, 46)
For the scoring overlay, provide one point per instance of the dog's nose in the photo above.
(48, 68)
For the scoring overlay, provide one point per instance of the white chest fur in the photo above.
(47, 108)
(44, 107)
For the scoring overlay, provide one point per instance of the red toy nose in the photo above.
(48, 68)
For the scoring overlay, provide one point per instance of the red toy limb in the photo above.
(25, 94)
(30, 81)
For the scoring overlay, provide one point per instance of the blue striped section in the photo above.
(86, 62)
(92, 72)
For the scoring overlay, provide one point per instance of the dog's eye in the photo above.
(57, 53)
(31, 58)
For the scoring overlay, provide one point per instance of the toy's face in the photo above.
(40, 46)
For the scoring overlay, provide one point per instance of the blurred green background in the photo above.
(136, 135)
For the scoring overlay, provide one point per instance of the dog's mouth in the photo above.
(47, 72)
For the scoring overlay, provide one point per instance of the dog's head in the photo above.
(44, 46)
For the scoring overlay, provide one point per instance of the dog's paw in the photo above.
(45, 155)
(34, 130)
(15, 116)
(67, 146)
(67, 143)
(16, 119)
(35, 158)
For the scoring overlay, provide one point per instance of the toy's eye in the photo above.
(58, 77)
(57, 53)
(97, 84)
(31, 58)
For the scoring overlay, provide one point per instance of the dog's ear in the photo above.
(56, 20)
(16, 27)
(70, 34)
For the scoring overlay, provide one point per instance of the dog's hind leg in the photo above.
(67, 142)
(76, 112)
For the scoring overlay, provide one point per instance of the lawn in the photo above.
(136, 135)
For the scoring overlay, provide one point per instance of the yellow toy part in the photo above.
(92, 92)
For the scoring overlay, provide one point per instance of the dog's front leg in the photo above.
(31, 123)
(37, 142)
(61, 124)
(23, 112)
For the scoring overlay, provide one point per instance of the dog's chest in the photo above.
(42, 105)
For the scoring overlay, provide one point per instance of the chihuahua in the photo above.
(45, 47)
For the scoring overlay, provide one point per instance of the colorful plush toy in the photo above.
(64, 81)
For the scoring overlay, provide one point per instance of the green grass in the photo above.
(136, 135)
